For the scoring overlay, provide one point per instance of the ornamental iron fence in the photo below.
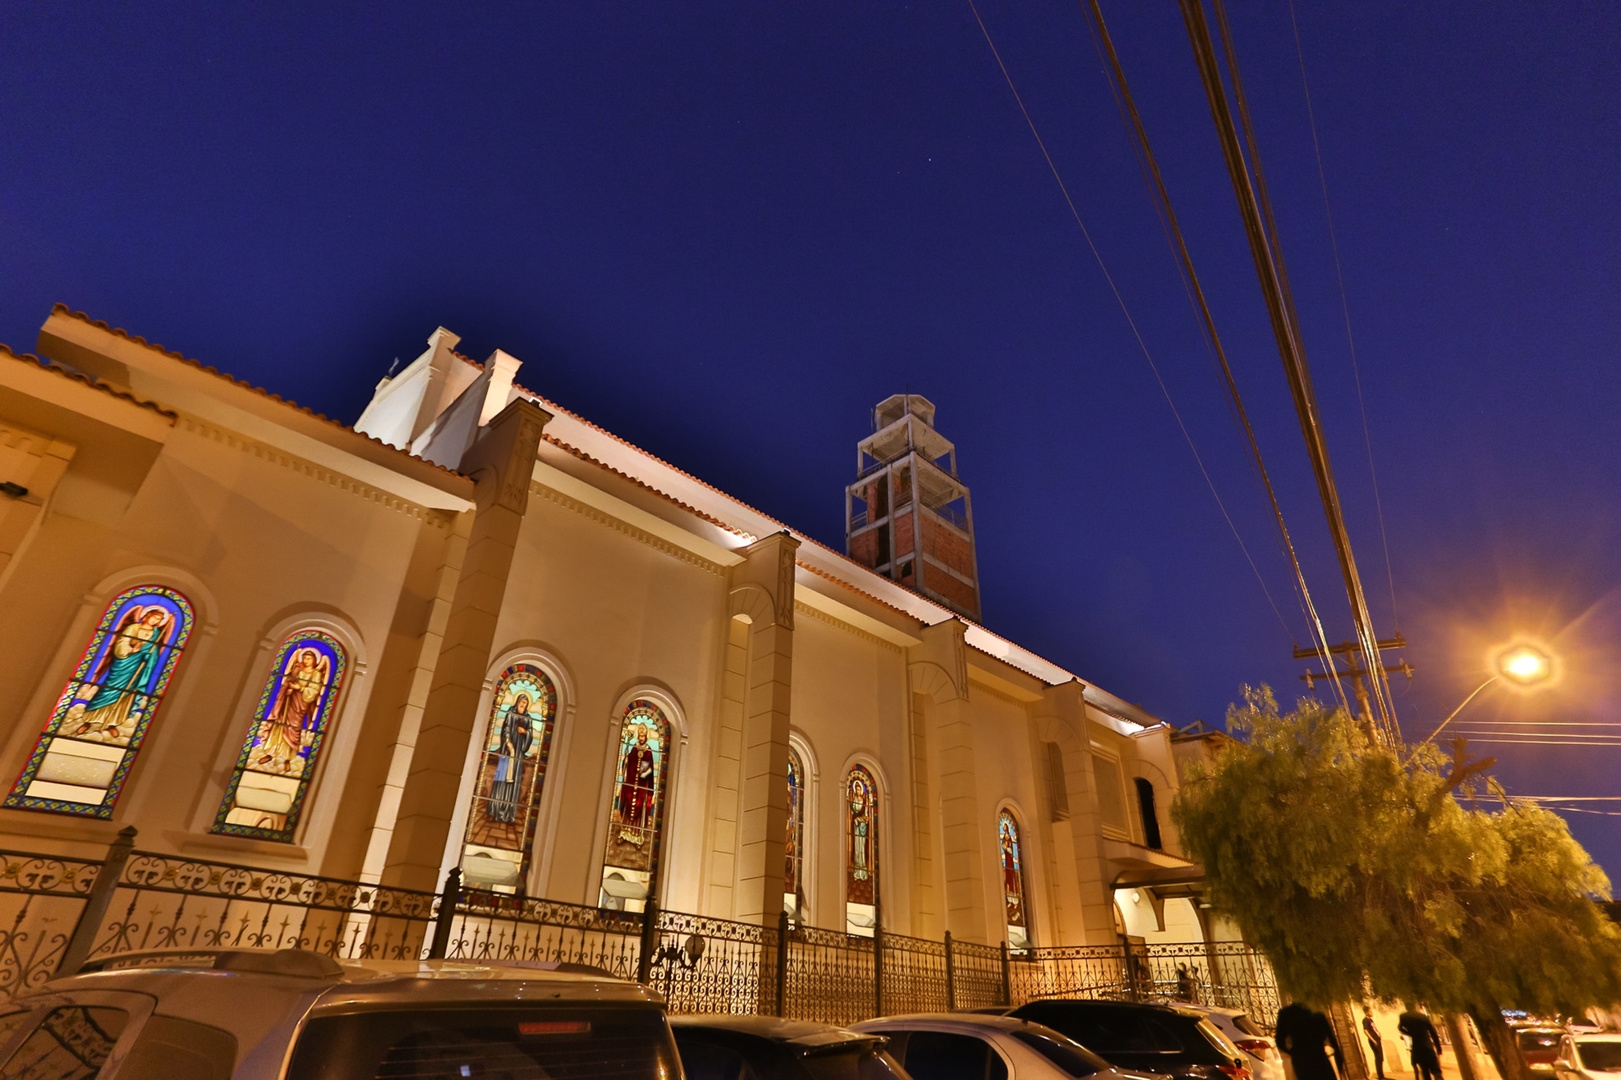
(56, 912)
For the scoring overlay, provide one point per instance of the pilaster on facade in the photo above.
(500, 461)
(1062, 713)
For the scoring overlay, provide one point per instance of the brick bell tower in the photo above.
(907, 515)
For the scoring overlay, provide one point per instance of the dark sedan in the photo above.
(764, 1048)
(1143, 1038)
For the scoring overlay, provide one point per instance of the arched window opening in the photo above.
(793, 886)
(265, 797)
(1017, 913)
(1145, 804)
(84, 755)
(861, 853)
(500, 838)
(636, 817)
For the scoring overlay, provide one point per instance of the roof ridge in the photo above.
(89, 380)
(63, 309)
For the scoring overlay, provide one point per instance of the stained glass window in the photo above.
(85, 752)
(861, 853)
(1012, 857)
(793, 886)
(500, 839)
(636, 815)
(266, 793)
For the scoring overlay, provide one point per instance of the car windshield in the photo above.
(1068, 1055)
(487, 1041)
(1600, 1056)
(1249, 1027)
(1540, 1041)
(863, 1063)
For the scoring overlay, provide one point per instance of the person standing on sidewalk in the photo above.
(1304, 1034)
(1426, 1043)
(1376, 1041)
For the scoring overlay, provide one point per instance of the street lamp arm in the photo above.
(1459, 709)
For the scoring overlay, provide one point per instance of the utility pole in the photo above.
(1357, 670)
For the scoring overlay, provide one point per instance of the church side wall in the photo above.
(1008, 780)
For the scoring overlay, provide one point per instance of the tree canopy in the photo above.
(1342, 859)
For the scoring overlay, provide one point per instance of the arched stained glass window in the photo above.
(1013, 892)
(500, 838)
(266, 794)
(861, 852)
(636, 815)
(793, 885)
(85, 752)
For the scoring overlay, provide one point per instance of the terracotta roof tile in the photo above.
(63, 309)
(79, 376)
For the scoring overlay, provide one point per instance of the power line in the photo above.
(1190, 283)
(1345, 308)
(1260, 226)
(1120, 300)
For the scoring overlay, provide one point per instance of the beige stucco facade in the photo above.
(467, 524)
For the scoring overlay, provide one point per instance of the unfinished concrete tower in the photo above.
(907, 515)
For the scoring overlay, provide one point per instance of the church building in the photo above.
(476, 630)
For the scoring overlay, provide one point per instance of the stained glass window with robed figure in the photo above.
(861, 852)
(501, 823)
(84, 755)
(1013, 895)
(793, 885)
(265, 797)
(636, 815)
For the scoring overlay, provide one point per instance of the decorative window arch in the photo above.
(793, 885)
(1010, 848)
(84, 755)
(500, 839)
(860, 852)
(265, 797)
(636, 813)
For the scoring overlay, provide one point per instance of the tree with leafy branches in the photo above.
(1367, 870)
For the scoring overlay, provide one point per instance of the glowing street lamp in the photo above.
(1522, 664)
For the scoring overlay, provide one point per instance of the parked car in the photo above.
(246, 1014)
(1265, 1060)
(1589, 1056)
(1539, 1046)
(975, 1046)
(766, 1048)
(1169, 1039)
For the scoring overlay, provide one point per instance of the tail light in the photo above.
(1236, 1072)
(1258, 1047)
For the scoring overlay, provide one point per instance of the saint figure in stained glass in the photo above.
(89, 743)
(265, 797)
(1012, 856)
(511, 775)
(793, 886)
(861, 852)
(637, 813)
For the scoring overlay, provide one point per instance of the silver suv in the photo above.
(216, 1014)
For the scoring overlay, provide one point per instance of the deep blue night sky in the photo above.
(726, 231)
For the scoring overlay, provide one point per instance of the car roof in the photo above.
(961, 1019)
(1597, 1036)
(446, 979)
(1176, 1009)
(801, 1033)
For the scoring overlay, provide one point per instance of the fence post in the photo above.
(878, 968)
(97, 903)
(449, 897)
(1007, 977)
(650, 939)
(782, 963)
(951, 976)
(1129, 963)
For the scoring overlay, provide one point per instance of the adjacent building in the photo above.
(475, 630)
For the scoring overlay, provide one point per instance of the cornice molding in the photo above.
(593, 514)
(823, 617)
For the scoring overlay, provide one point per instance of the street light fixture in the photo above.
(1522, 664)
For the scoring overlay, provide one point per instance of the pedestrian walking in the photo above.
(1376, 1041)
(1306, 1036)
(1426, 1043)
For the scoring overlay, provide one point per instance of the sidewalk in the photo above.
(1398, 1063)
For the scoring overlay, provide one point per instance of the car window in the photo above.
(866, 1063)
(71, 1043)
(1218, 1037)
(702, 1060)
(1600, 1056)
(1247, 1026)
(1538, 1040)
(943, 1055)
(1069, 1056)
(491, 1042)
(169, 1048)
(1106, 1031)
